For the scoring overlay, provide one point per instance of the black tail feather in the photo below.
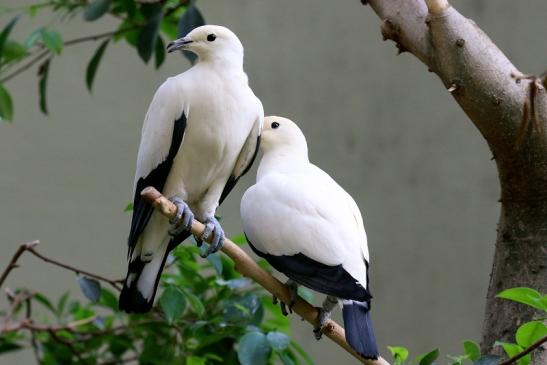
(359, 330)
(131, 300)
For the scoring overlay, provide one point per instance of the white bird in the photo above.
(310, 229)
(200, 135)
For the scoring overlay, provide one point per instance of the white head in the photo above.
(282, 135)
(210, 43)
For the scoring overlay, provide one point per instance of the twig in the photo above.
(30, 248)
(30, 325)
(526, 351)
(33, 342)
(26, 66)
(96, 37)
(113, 283)
(249, 268)
(71, 42)
(69, 345)
(13, 263)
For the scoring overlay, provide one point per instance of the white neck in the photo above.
(227, 59)
(283, 160)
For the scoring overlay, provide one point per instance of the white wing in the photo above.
(157, 130)
(308, 213)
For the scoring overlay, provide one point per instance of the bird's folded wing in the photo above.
(245, 159)
(162, 136)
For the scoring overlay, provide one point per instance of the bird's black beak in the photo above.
(180, 43)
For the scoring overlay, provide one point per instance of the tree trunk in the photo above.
(510, 111)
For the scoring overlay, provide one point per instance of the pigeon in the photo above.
(310, 229)
(200, 135)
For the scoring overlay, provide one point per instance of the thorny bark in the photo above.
(510, 111)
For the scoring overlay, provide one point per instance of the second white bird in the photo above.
(309, 228)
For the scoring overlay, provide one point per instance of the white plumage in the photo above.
(200, 134)
(308, 227)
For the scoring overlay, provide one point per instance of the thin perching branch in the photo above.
(30, 247)
(249, 268)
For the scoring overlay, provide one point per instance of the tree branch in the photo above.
(13, 263)
(30, 248)
(249, 268)
(471, 66)
(45, 52)
(532, 347)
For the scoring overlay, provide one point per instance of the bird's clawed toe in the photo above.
(324, 316)
(293, 290)
(183, 219)
(212, 227)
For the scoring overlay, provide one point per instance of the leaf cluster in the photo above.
(526, 335)
(142, 25)
(206, 314)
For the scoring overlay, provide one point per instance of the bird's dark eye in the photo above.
(211, 37)
(275, 125)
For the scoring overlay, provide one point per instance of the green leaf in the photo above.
(428, 358)
(149, 34)
(61, 303)
(526, 296)
(6, 105)
(94, 64)
(530, 332)
(458, 360)
(239, 239)
(303, 354)
(172, 303)
(52, 40)
(253, 349)
(96, 9)
(511, 349)
(472, 350)
(13, 51)
(128, 207)
(40, 298)
(34, 37)
(215, 261)
(400, 354)
(5, 33)
(8, 345)
(108, 299)
(195, 302)
(285, 358)
(91, 288)
(488, 360)
(169, 29)
(191, 19)
(43, 72)
(278, 341)
(194, 360)
(160, 52)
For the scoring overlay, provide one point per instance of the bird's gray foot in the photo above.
(212, 228)
(293, 289)
(324, 316)
(183, 219)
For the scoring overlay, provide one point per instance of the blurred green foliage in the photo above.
(526, 336)
(206, 314)
(142, 24)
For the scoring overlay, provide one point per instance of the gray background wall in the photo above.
(380, 124)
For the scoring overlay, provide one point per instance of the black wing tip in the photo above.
(132, 301)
